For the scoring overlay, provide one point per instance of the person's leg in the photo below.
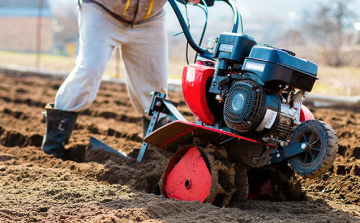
(79, 89)
(146, 64)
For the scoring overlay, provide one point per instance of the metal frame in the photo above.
(283, 153)
(159, 105)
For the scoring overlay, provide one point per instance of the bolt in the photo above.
(214, 84)
(188, 183)
(158, 104)
(303, 146)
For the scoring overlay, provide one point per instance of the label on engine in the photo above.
(226, 48)
(268, 121)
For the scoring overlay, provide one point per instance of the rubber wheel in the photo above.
(198, 173)
(321, 148)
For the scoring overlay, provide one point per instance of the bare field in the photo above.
(98, 187)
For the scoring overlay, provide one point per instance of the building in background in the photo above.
(18, 22)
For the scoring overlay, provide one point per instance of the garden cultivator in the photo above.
(248, 102)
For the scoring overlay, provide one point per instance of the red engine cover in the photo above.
(194, 81)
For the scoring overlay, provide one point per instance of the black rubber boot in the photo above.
(145, 124)
(59, 125)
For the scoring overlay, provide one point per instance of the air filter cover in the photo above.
(244, 105)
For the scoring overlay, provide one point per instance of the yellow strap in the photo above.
(149, 10)
(126, 7)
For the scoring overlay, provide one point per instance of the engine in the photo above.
(262, 88)
(251, 109)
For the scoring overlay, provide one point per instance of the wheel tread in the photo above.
(330, 147)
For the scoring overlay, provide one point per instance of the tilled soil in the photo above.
(100, 187)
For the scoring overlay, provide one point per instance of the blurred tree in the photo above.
(327, 27)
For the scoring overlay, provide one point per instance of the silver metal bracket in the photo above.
(159, 105)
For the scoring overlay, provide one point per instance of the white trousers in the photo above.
(144, 51)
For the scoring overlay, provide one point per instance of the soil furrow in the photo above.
(95, 186)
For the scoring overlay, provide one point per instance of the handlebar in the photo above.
(203, 52)
(237, 16)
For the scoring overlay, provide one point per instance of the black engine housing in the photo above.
(277, 68)
(249, 108)
(251, 79)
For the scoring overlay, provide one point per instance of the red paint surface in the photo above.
(262, 191)
(305, 114)
(194, 81)
(191, 167)
(199, 62)
(178, 129)
(177, 136)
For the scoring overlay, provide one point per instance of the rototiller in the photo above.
(248, 102)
